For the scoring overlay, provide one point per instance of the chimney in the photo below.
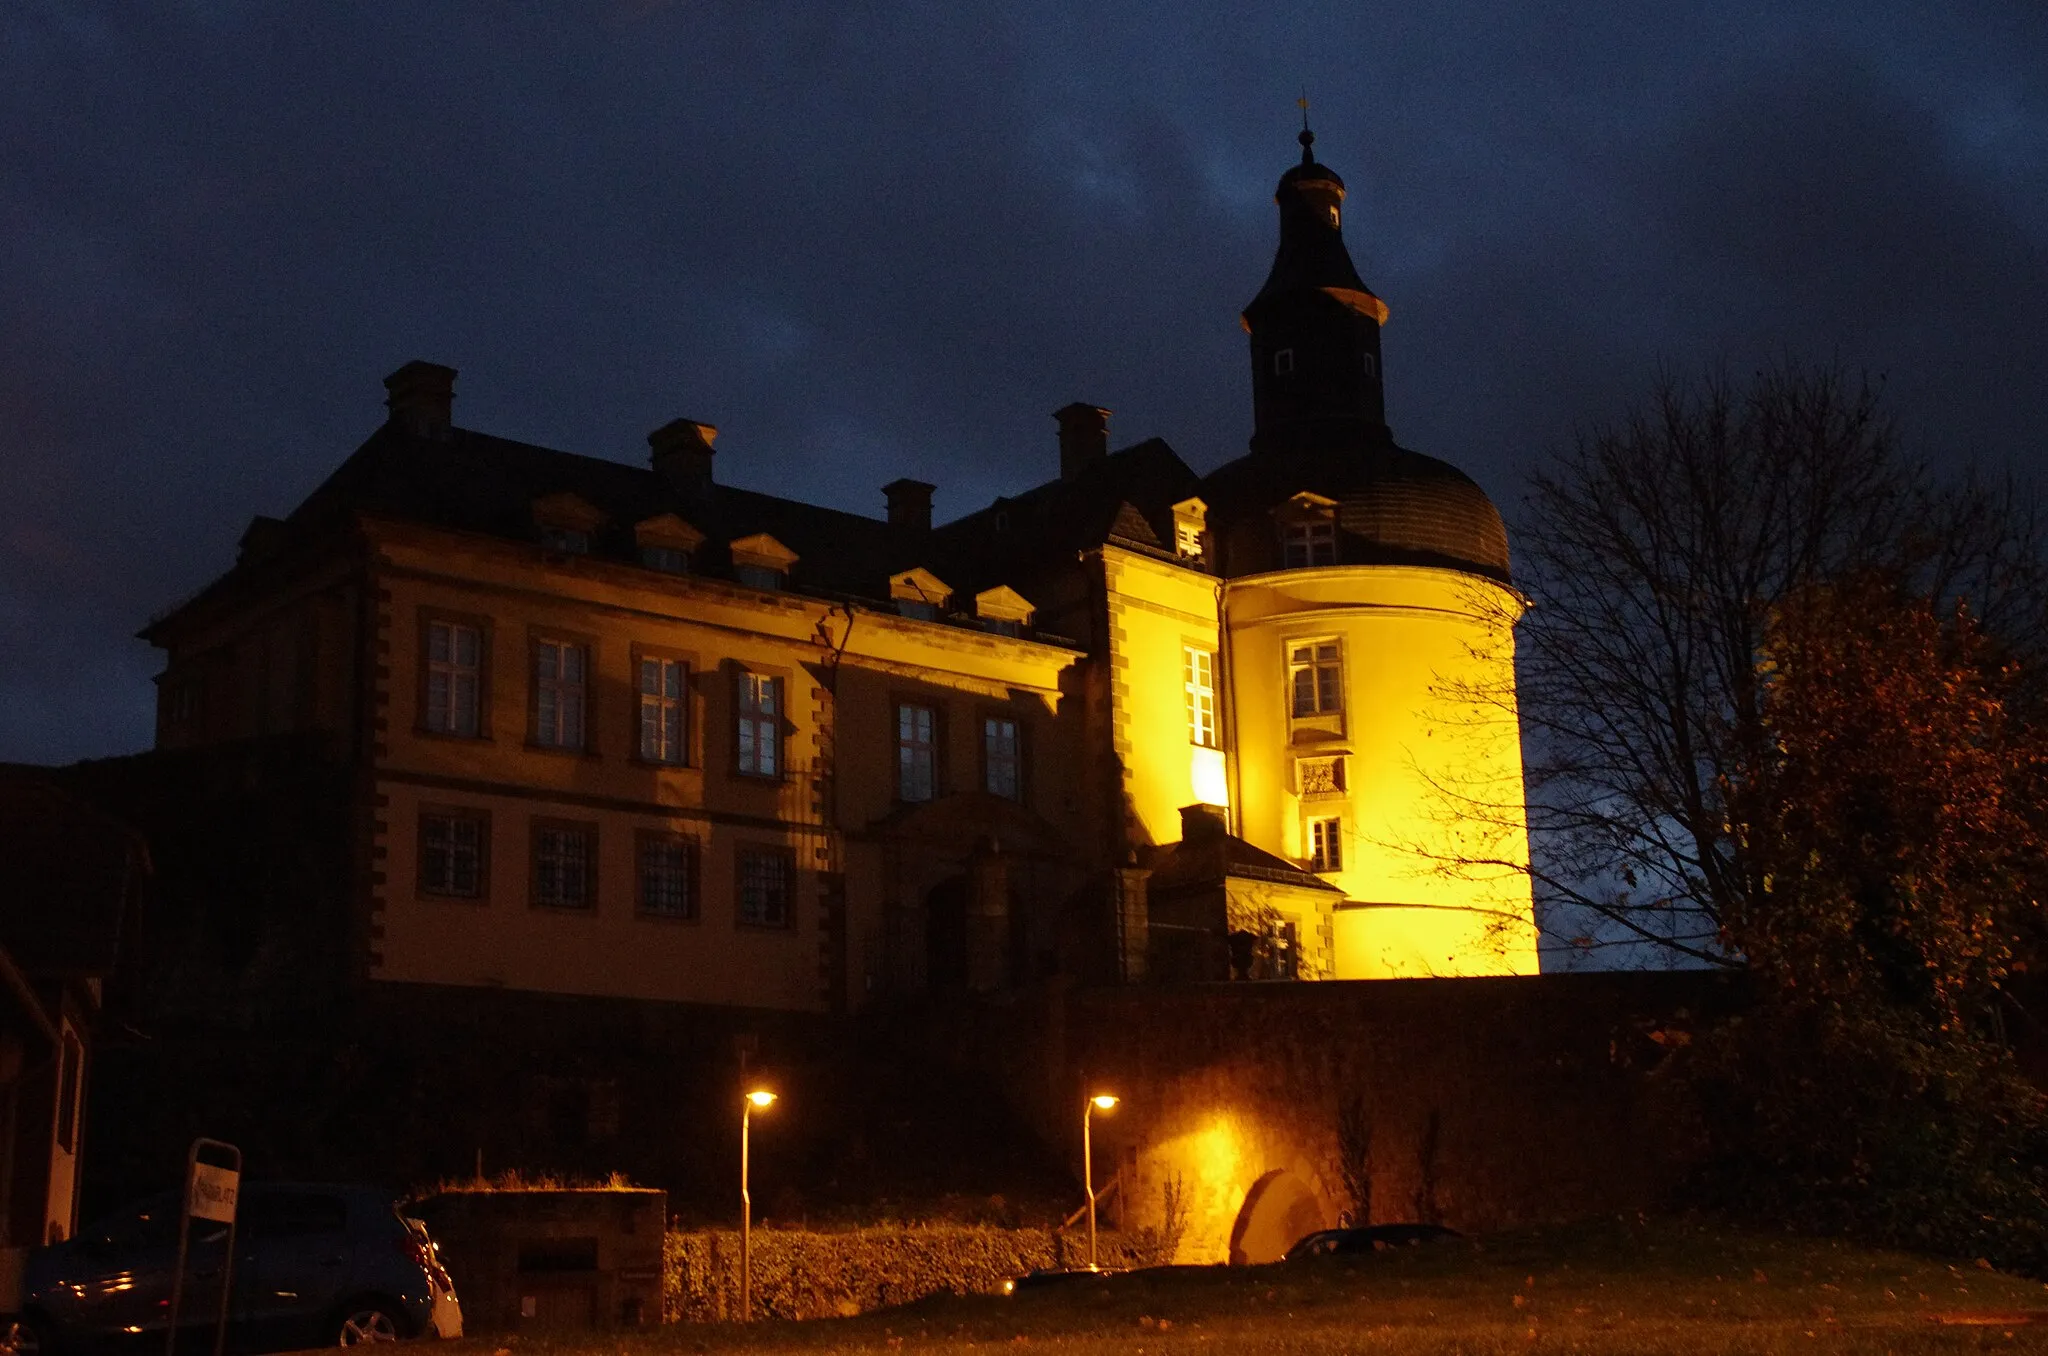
(910, 504)
(421, 398)
(1084, 438)
(681, 452)
(1202, 823)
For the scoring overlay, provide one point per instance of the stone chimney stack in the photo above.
(910, 505)
(1202, 823)
(421, 398)
(681, 451)
(1084, 437)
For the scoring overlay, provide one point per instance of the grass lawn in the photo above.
(1613, 1288)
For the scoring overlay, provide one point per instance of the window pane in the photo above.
(764, 888)
(667, 870)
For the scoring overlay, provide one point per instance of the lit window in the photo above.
(454, 677)
(1326, 845)
(558, 694)
(1002, 758)
(564, 859)
(667, 559)
(668, 876)
(917, 753)
(758, 577)
(1315, 674)
(1283, 947)
(760, 725)
(1307, 543)
(1283, 362)
(1187, 539)
(662, 710)
(1198, 672)
(566, 540)
(452, 855)
(765, 887)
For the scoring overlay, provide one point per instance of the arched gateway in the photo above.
(1278, 1210)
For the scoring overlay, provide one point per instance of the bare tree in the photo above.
(1653, 555)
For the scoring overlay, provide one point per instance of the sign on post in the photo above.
(211, 1193)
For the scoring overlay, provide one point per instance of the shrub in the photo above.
(802, 1273)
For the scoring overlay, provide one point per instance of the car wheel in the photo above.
(365, 1322)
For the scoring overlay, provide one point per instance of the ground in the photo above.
(1618, 1287)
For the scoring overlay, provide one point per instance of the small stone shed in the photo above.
(566, 1259)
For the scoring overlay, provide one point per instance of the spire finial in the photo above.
(1307, 138)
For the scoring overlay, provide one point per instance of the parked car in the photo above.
(1051, 1276)
(1368, 1238)
(314, 1265)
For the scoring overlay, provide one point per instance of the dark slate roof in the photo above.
(1395, 507)
(475, 482)
(1206, 861)
(1127, 498)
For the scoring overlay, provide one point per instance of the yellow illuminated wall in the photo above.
(1434, 840)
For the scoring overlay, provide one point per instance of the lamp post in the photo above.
(763, 1099)
(1101, 1101)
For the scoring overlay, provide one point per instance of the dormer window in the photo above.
(1283, 362)
(566, 541)
(761, 562)
(565, 522)
(919, 593)
(1190, 528)
(665, 543)
(1308, 543)
(1003, 611)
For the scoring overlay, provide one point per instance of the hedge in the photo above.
(807, 1274)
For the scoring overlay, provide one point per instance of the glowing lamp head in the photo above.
(761, 1098)
(1103, 1101)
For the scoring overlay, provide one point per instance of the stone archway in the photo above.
(1277, 1211)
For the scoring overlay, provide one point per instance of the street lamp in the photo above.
(1104, 1102)
(759, 1099)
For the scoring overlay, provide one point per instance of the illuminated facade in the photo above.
(631, 731)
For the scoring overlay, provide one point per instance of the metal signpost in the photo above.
(210, 1191)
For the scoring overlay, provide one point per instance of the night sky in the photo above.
(873, 240)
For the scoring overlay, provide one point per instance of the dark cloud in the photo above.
(875, 239)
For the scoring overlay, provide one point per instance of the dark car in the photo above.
(1052, 1276)
(1368, 1238)
(314, 1266)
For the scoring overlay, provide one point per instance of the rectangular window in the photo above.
(452, 850)
(1313, 542)
(1187, 539)
(761, 577)
(455, 660)
(664, 706)
(564, 865)
(1315, 675)
(1284, 944)
(917, 752)
(558, 694)
(667, 559)
(1198, 681)
(668, 875)
(1002, 758)
(1326, 845)
(760, 725)
(766, 884)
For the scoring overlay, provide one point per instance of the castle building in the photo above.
(633, 731)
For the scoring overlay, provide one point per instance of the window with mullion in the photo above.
(454, 678)
(758, 725)
(668, 876)
(917, 752)
(564, 866)
(1198, 672)
(451, 853)
(1310, 542)
(1326, 845)
(664, 708)
(1002, 757)
(1315, 675)
(767, 883)
(559, 693)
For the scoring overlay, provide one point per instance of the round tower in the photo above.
(1368, 634)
